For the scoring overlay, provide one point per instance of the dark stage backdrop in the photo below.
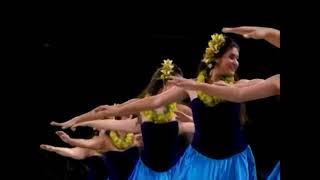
(84, 61)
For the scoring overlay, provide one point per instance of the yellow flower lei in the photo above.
(167, 115)
(121, 143)
(217, 40)
(211, 100)
(160, 117)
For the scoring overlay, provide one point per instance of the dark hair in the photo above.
(156, 84)
(227, 45)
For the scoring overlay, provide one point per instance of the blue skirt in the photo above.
(275, 174)
(141, 171)
(194, 165)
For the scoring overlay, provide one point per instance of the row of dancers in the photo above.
(157, 136)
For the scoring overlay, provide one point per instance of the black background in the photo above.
(84, 57)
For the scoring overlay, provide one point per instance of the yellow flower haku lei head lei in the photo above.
(168, 114)
(209, 57)
(121, 143)
(166, 69)
(214, 45)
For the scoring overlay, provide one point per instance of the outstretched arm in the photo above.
(173, 94)
(74, 153)
(266, 88)
(104, 107)
(91, 115)
(95, 143)
(269, 34)
(246, 83)
(127, 125)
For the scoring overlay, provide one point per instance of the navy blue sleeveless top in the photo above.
(217, 129)
(161, 147)
(121, 164)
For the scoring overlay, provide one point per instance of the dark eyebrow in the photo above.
(233, 54)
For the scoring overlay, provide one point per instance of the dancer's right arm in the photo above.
(91, 115)
(97, 142)
(127, 125)
(104, 107)
(173, 94)
(74, 153)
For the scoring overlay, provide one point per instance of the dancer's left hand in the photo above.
(183, 117)
(101, 108)
(188, 84)
(82, 124)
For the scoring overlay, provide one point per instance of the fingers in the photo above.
(179, 113)
(63, 125)
(60, 133)
(46, 147)
(178, 81)
(63, 136)
(182, 116)
(69, 124)
(98, 109)
(53, 123)
(173, 82)
(74, 127)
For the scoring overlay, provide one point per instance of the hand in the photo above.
(180, 116)
(249, 31)
(138, 141)
(188, 84)
(82, 124)
(101, 108)
(47, 147)
(63, 136)
(66, 124)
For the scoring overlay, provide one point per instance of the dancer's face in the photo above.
(228, 63)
